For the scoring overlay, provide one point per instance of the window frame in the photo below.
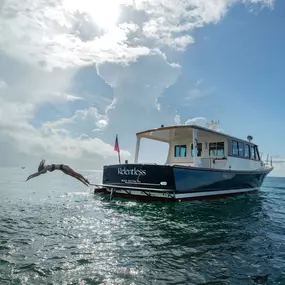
(192, 150)
(247, 146)
(257, 155)
(243, 149)
(249, 151)
(180, 146)
(235, 141)
(216, 149)
(252, 152)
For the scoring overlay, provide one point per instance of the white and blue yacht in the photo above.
(202, 163)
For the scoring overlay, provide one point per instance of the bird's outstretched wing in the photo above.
(41, 170)
(69, 171)
(34, 175)
(83, 180)
(77, 176)
(41, 165)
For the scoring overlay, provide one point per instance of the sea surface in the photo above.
(54, 230)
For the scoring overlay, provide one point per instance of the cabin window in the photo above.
(241, 149)
(235, 148)
(199, 149)
(257, 156)
(216, 149)
(180, 151)
(252, 152)
(247, 151)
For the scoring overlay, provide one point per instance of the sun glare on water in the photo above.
(104, 13)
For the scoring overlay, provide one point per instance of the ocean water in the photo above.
(54, 230)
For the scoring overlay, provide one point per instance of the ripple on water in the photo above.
(77, 237)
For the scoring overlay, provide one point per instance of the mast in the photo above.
(212, 125)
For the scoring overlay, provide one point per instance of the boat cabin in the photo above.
(196, 146)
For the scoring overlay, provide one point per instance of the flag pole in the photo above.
(119, 156)
(117, 148)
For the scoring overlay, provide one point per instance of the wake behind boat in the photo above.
(202, 163)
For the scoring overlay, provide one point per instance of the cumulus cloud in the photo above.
(84, 121)
(200, 121)
(49, 140)
(137, 88)
(43, 45)
(20, 138)
(62, 34)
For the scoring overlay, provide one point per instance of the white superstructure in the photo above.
(197, 146)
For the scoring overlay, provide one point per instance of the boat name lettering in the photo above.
(131, 171)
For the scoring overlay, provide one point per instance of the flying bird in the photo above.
(42, 169)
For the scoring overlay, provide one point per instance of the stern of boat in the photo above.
(147, 181)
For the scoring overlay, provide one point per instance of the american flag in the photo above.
(116, 147)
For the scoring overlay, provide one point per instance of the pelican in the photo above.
(42, 169)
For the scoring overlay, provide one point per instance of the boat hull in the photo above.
(175, 182)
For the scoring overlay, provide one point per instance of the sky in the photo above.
(73, 74)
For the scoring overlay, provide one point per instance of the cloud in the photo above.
(51, 141)
(137, 88)
(23, 142)
(45, 43)
(278, 162)
(276, 159)
(200, 121)
(61, 34)
(3, 84)
(205, 123)
(196, 92)
(65, 96)
(81, 121)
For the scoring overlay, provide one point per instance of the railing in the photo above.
(213, 162)
(267, 163)
(203, 162)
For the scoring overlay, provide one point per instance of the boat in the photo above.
(202, 163)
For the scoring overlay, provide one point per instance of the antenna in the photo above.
(212, 125)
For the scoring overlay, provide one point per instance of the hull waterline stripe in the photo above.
(212, 193)
(135, 188)
(182, 195)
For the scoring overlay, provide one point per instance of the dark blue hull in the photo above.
(216, 180)
(176, 182)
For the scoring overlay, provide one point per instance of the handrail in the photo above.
(267, 161)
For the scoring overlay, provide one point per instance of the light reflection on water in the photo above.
(55, 231)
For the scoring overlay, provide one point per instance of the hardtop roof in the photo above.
(193, 126)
